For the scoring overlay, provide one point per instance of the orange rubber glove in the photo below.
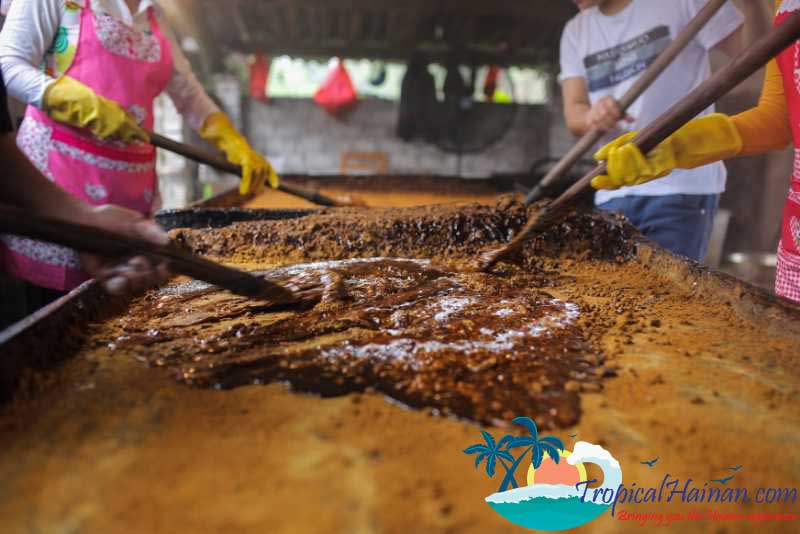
(68, 100)
(256, 170)
(699, 142)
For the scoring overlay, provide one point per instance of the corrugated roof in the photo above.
(517, 31)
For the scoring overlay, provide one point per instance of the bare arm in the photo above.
(576, 105)
(21, 184)
(581, 116)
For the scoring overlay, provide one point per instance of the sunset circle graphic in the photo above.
(557, 473)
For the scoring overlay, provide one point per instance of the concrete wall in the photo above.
(300, 137)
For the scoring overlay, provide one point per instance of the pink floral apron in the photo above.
(787, 281)
(123, 64)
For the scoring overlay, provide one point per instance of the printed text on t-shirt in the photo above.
(610, 67)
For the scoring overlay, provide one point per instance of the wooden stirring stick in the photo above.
(202, 156)
(641, 85)
(777, 40)
(98, 241)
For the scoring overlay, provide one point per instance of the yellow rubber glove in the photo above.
(256, 170)
(699, 142)
(68, 100)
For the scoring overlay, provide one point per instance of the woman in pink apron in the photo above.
(23, 186)
(771, 125)
(105, 61)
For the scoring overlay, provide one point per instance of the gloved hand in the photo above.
(218, 130)
(68, 100)
(699, 142)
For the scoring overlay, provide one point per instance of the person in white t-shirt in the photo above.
(604, 50)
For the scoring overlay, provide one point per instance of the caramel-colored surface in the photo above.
(471, 345)
(110, 445)
(373, 193)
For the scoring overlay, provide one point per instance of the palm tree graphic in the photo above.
(501, 451)
(492, 452)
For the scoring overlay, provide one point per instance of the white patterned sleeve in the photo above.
(28, 32)
(189, 97)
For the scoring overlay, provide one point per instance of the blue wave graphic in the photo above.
(549, 513)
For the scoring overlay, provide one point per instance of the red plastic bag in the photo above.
(337, 93)
(259, 76)
(490, 85)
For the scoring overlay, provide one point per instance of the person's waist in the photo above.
(701, 178)
(86, 142)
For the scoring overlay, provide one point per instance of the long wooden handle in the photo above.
(647, 78)
(98, 241)
(202, 156)
(668, 123)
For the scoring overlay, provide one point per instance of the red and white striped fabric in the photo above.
(787, 278)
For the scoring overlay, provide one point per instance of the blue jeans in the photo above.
(680, 223)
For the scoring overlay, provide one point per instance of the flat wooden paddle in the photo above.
(98, 241)
(206, 158)
(777, 40)
(647, 78)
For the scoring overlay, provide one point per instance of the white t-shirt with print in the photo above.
(611, 52)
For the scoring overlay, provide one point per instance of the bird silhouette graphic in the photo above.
(735, 468)
(723, 481)
(651, 463)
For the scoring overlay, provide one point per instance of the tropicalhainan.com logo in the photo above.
(559, 496)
